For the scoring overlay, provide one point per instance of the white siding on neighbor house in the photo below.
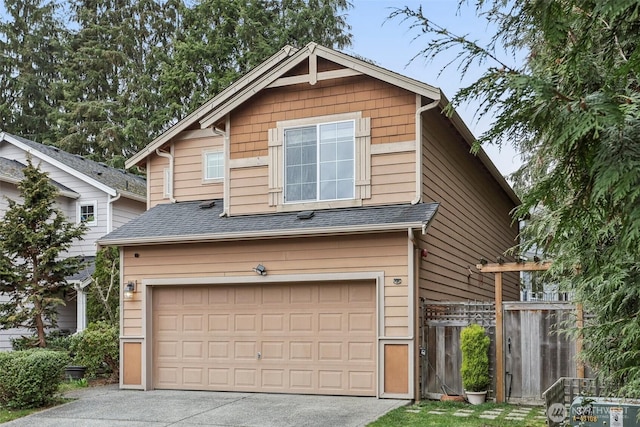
(67, 315)
(89, 193)
(7, 190)
(124, 210)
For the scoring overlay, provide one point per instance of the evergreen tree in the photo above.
(31, 40)
(111, 74)
(104, 291)
(34, 237)
(219, 40)
(573, 111)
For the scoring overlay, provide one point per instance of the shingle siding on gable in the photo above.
(473, 219)
(392, 111)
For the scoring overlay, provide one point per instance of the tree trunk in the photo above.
(40, 325)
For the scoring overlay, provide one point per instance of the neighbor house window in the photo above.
(88, 213)
(320, 162)
(213, 165)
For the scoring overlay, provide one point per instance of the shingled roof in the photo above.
(121, 181)
(11, 171)
(201, 221)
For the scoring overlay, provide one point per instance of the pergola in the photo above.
(510, 267)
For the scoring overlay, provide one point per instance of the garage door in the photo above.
(290, 338)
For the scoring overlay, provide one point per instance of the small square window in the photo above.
(213, 165)
(88, 213)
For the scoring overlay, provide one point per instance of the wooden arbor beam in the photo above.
(498, 269)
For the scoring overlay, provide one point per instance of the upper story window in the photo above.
(319, 162)
(213, 165)
(88, 213)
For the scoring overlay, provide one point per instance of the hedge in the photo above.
(30, 378)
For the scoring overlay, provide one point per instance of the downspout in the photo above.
(414, 279)
(110, 211)
(225, 184)
(419, 112)
(170, 157)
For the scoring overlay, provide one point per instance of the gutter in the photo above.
(266, 234)
(170, 157)
(419, 112)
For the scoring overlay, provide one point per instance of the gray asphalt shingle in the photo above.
(117, 179)
(188, 219)
(12, 169)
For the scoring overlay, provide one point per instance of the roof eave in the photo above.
(207, 106)
(71, 171)
(267, 234)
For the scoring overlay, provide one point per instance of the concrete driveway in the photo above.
(109, 406)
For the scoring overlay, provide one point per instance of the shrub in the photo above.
(30, 378)
(475, 358)
(96, 347)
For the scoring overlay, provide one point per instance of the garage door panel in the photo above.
(245, 323)
(219, 322)
(301, 322)
(299, 338)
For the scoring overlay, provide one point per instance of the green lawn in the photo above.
(441, 414)
(8, 415)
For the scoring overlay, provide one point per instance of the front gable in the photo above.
(248, 138)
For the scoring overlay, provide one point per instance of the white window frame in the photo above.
(318, 162)
(362, 160)
(94, 204)
(205, 168)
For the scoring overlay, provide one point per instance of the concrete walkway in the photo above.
(109, 406)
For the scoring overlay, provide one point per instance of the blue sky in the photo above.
(391, 45)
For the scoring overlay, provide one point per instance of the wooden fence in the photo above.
(535, 354)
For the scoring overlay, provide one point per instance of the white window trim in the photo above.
(93, 203)
(167, 183)
(204, 167)
(362, 162)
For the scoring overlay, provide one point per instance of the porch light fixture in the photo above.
(260, 269)
(129, 289)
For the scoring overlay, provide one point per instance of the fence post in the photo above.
(499, 341)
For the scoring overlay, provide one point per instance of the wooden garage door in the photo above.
(292, 338)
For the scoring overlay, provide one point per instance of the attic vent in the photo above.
(79, 156)
(207, 204)
(306, 215)
(103, 165)
(97, 173)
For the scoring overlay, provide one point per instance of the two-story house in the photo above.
(295, 222)
(104, 198)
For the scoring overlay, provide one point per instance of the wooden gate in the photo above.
(535, 354)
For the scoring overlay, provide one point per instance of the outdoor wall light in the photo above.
(129, 289)
(260, 269)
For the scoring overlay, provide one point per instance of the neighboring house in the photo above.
(295, 226)
(103, 197)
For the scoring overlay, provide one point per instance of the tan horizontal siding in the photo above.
(382, 252)
(155, 175)
(248, 192)
(189, 181)
(392, 178)
(392, 111)
(473, 220)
